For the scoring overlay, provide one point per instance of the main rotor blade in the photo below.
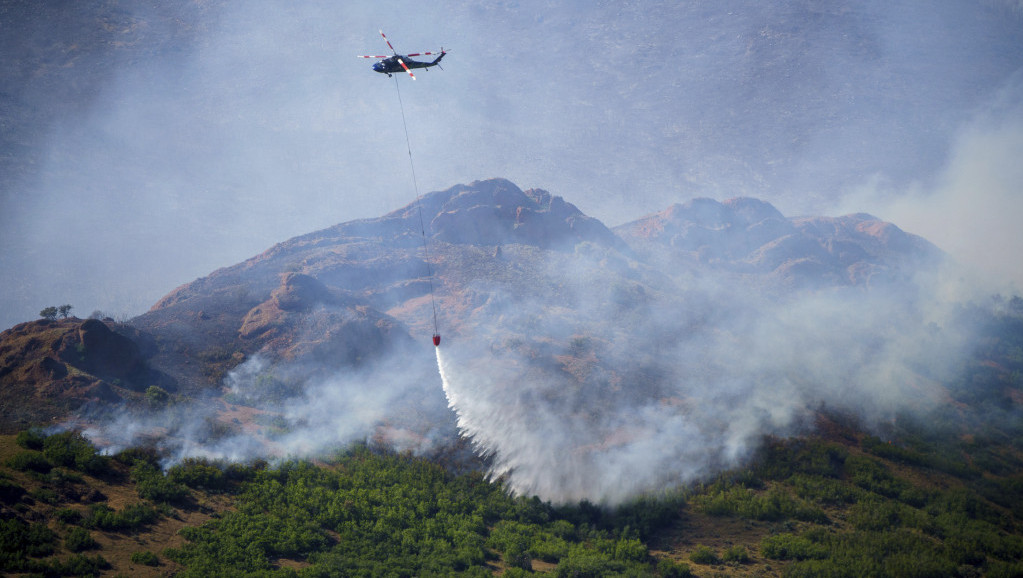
(372, 56)
(388, 42)
(421, 54)
(403, 65)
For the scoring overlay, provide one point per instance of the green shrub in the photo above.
(63, 477)
(79, 540)
(630, 550)
(873, 476)
(145, 557)
(876, 515)
(791, 547)
(736, 554)
(10, 492)
(824, 490)
(242, 472)
(374, 514)
(668, 568)
(30, 461)
(773, 505)
(583, 562)
(810, 457)
(68, 516)
(31, 439)
(157, 397)
(18, 539)
(516, 556)
(1000, 569)
(131, 456)
(45, 495)
(704, 555)
(71, 450)
(131, 517)
(151, 484)
(79, 565)
(198, 473)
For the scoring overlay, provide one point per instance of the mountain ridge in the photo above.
(356, 292)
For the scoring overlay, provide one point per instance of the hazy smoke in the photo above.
(589, 375)
(642, 395)
(282, 410)
(148, 143)
(621, 379)
(971, 210)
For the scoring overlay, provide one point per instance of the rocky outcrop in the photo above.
(496, 212)
(304, 320)
(100, 351)
(750, 237)
(49, 368)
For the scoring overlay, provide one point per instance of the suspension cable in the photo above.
(422, 226)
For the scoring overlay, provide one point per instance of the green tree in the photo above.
(145, 557)
(49, 313)
(64, 310)
(156, 396)
(79, 539)
(704, 555)
(151, 484)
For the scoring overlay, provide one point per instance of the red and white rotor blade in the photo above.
(388, 42)
(403, 65)
(421, 54)
(360, 56)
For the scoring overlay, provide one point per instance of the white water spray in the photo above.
(504, 428)
(540, 447)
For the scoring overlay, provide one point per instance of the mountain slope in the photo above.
(50, 368)
(572, 353)
(748, 236)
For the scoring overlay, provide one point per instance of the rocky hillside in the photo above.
(359, 289)
(49, 368)
(585, 362)
(749, 236)
(516, 269)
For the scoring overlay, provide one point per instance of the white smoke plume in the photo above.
(685, 383)
(972, 210)
(279, 411)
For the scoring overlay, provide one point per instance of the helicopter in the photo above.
(398, 62)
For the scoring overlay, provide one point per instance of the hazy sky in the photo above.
(153, 145)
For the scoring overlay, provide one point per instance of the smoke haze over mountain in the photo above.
(972, 207)
(650, 393)
(582, 363)
(146, 144)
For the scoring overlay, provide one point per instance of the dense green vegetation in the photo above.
(372, 514)
(361, 513)
(882, 523)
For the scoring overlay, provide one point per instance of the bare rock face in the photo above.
(497, 212)
(51, 367)
(304, 320)
(103, 352)
(296, 295)
(300, 293)
(750, 237)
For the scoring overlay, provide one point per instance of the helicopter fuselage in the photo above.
(391, 65)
